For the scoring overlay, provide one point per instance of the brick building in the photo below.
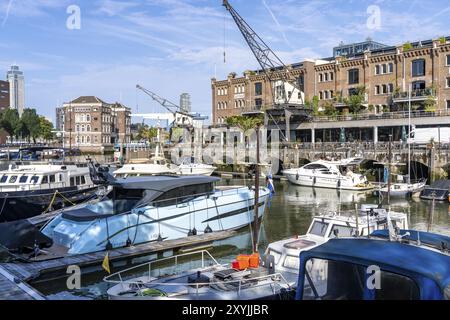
(4, 103)
(385, 73)
(93, 125)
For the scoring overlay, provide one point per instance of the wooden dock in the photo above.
(11, 288)
(47, 269)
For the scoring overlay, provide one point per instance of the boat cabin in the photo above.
(374, 269)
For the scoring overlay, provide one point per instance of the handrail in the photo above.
(176, 257)
(275, 278)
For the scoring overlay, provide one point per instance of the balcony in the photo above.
(416, 95)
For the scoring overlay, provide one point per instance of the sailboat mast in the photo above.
(409, 135)
(389, 170)
(256, 207)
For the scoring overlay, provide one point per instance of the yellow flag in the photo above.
(105, 263)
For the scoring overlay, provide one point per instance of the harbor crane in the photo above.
(276, 72)
(180, 116)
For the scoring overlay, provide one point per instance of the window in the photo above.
(352, 92)
(448, 60)
(341, 231)
(377, 89)
(418, 85)
(3, 179)
(326, 76)
(83, 180)
(353, 76)
(34, 179)
(319, 228)
(384, 89)
(326, 94)
(320, 77)
(72, 181)
(52, 178)
(12, 179)
(448, 82)
(276, 255)
(258, 102)
(418, 68)
(390, 88)
(320, 95)
(384, 68)
(377, 69)
(291, 262)
(448, 107)
(77, 180)
(258, 89)
(396, 287)
(44, 179)
(331, 76)
(391, 67)
(23, 179)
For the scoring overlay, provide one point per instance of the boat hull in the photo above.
(325, 182)
(26, 204)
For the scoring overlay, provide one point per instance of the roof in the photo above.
(391, 256)
(427, 238)
(144, 169)
(87, 99)
(162, 183)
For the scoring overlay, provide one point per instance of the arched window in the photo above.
(88, 139)
(320, 95)
(88, 127)
(83, 128)
(320, 77)
(88, 118)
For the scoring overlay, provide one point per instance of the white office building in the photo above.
(16, 89)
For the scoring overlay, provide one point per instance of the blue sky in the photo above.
(175, 46)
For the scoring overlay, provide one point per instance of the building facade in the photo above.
(92, 125)
(387, 75)
(185, 102)
(4, 94)
(16, 88)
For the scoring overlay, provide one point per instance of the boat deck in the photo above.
(44, 269)
(12, 290)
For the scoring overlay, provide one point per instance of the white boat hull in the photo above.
(318, 181)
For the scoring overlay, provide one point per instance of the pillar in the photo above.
(375, 134)
(313, 137)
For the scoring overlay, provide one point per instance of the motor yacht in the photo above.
(328, 174)
(29, 190)
(140, 210)
(192, 166)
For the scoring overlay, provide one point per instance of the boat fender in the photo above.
(128, 243)
(208, 229)
(297, 176)
(339, 183)
(314, 180)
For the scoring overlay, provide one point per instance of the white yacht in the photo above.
(29, 190)
(274, 277)
(328, 174)
(142, 170)
(403, 189)
(192, 166)
(140, 210)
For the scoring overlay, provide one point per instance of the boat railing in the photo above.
(273, 280)
(205, 256)
(44, 186)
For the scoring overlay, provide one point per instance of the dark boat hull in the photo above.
(26, 204)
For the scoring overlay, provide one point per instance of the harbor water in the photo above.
(290, 212)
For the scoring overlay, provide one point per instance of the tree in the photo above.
(244, 123)
(30, 123)
(356, 100)
(46, 129)
(9, 119)
(147, 133)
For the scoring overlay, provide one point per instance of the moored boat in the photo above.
(29, 190)
(328, 174)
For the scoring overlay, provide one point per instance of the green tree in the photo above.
(356, 100)
(31, 125)
(244, 123)
(147, 133)
(9, 119)
(46, 129)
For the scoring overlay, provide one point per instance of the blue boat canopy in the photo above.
(432, 239)
(430, 269)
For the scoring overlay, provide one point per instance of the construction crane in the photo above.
(271, 64)
(162, 101)
(276, 72)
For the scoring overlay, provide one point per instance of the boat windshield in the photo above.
(319, 228)
(338, 280)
